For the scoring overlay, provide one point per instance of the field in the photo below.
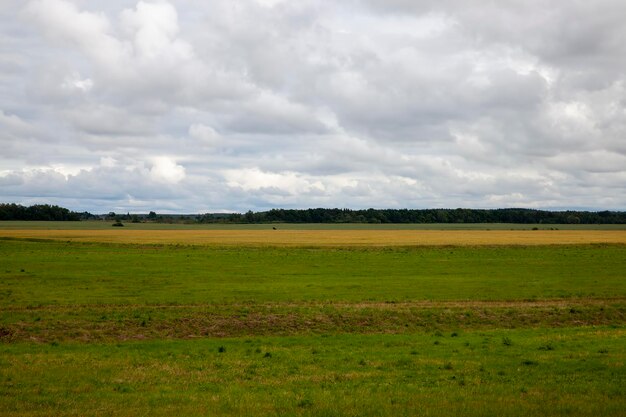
(328, 237)
(312, 322)
(106, 225)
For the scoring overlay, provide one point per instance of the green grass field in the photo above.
(50, 273)
(101, 224)
(112, 329)
(574, 371)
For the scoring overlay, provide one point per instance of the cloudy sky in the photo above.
(228, 105)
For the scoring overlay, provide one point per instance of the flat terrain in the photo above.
(107, 225)
(60, 273)
(563, 372)
(280, 322)
(335, 238)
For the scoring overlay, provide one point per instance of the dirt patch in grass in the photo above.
(106, 323)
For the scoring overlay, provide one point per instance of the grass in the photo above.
(106, 225)
(473, 374)
(327, 238)
(121, 323)
(147, 329)
(54, 273)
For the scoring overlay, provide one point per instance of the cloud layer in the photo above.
(192, 106)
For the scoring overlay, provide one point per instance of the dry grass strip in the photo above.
(330, 238)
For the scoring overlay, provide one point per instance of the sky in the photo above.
(202, 106)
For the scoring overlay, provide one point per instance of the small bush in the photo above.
(547, 346)
(305, 403)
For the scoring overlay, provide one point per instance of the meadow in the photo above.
(252, 327)
(106, 225)
(326, 237)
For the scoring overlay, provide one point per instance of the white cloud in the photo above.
(255, 179)
(12, 123)
(203, 133)
(76, 83)
(254, 104)
(154, 29)
(108, 162)
(91, 32)
(165, 169)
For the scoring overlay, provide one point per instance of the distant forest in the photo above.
(322, 215)
(39, 212)
(325, 215)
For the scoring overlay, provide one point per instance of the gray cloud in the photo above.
(133, 105)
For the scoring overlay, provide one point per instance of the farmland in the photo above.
(312, 322)
(327, 237)
(106, 225)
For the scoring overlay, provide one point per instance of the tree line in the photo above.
(39, 212)
(332, 215)
(459, 215)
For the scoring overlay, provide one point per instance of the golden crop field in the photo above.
(330, 237)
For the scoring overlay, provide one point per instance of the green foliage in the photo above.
(356, 375)
(459, 215)
(39, 212)
(45, 212)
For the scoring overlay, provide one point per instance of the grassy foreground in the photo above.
(144, 329)
(546, 372)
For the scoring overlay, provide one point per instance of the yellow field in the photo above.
(330, 237)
